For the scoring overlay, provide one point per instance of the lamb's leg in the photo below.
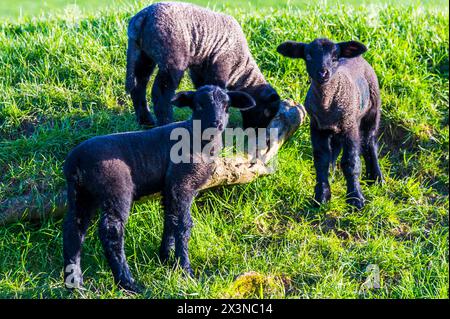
(76, 223)
(177, 221)
(219, 73)
(369, 147)
(115, 212)
(351, 165)
(336, 148)
(322, 159)
(166, 82)
(197, 77)
(143, 69)
(370, 153)
(182, 236)
(168, 239)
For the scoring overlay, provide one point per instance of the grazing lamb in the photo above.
(110, 172)
(344, 104)
(180, 36)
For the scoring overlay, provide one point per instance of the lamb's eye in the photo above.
(308, 57)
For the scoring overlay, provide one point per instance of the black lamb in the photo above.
(344, 105)
(180, 36)
(110, 172)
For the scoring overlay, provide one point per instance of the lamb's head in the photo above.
(210, 104)
(321, 55)
(267, 106)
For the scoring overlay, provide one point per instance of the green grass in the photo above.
(20, 8)
(62, 81)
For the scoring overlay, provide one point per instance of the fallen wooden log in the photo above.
(236, 169)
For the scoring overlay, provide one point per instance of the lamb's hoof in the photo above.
(375, 180)
(356, 201)
(322, 196)
(188, 272)
(131, 287)
(146, 121)
(147, 125)
(164, 257)
(380, 180)
(320, 200)
(165, 249)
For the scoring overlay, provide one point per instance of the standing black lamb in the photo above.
(180, 36)
(110, 172)
(344, 105)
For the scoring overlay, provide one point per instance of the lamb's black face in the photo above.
(210, 104)
(321, 56)
(211, 107)
(322, 60)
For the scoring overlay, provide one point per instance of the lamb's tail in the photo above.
(74, 165)
(74, 177)
(134, 49)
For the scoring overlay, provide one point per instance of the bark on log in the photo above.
(236, 169)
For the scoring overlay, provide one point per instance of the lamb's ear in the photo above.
(269, 95)
(241, 100)
(183, 99)
(292, 49)
(351, 49)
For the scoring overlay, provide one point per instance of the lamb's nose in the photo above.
(324, 74)
(217, 124)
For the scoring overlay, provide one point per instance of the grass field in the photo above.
(62, 81)
(14, 9)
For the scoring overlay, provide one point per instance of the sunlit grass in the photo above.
(62, 81)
